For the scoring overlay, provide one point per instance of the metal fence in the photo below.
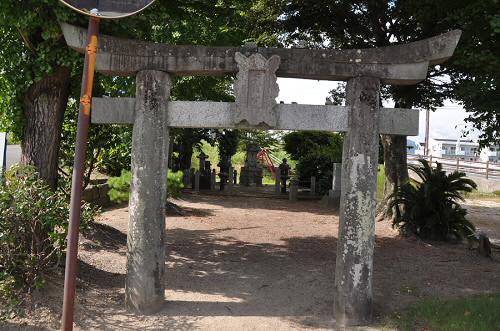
(489, 170)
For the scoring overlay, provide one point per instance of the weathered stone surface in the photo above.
(277, 182)
(197, 181)
(145, 283)
(293, 194)
(404, 64)
(213, 180)
(354, 264)
(337, 177)
(189, 114)
(399, 121)
(251, 173)
(332, 199)
(113, 110)
(230, 179)
(313, 185)
(256, 89)
(186, 178)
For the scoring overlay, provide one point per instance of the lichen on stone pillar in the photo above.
(354, 266)
(145, 283)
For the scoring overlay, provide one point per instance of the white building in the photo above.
(463, 149)
(491, 154)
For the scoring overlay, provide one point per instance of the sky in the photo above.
(445, 122)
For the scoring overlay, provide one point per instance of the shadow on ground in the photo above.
(237, 202)
(214, 274)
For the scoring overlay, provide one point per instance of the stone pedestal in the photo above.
(277, 182)
(197, 181)
(186, 178)
(293, 191)
(230, 180)
(212, 180)
(354, 265)
(145, 283)
(313, 185)
(252, 173)
(332, 199)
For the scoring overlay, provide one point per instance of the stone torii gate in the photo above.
(152, 114)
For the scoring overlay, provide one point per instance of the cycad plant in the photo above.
(429, 208)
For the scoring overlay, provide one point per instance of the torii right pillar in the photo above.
(354, 264)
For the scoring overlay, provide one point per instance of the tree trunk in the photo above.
(396, 167)
(45, 103)
(186, 153)
(395, 151)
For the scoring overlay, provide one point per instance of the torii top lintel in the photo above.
(404, 64)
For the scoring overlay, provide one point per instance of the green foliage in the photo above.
(227, 141)
(33, 231)
(32, 47)
(478, 313)
(429, 208)
(10, 303)
(119, 187)
(315, 153)
(263, 139)
(469, 77)
(175, 183)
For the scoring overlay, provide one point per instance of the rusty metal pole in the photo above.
(78, 170)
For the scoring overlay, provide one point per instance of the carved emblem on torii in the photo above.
(256, 89)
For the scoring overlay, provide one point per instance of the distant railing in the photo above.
(487, 169)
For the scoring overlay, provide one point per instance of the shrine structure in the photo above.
(362, 119)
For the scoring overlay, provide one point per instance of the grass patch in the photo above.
(476, 195)
(477, 313)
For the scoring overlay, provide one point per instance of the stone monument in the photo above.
(205, 171)
(284, 171)
(251, 174)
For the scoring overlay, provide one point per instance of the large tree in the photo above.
(40, 73)
(376, 23)
(38, 68)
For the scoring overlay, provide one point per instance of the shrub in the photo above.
(429, 208)
(119, 187)
(33, 230)
(175, 183)
(315, 153)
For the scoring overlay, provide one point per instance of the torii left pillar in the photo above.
(145, 283)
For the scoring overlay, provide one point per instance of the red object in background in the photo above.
(264, 157)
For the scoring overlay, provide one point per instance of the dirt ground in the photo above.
(240, 263)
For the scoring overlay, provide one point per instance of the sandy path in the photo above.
(485, 214)
(255, 264)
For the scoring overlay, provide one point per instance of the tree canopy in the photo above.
(470, 77)
(35, 48)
